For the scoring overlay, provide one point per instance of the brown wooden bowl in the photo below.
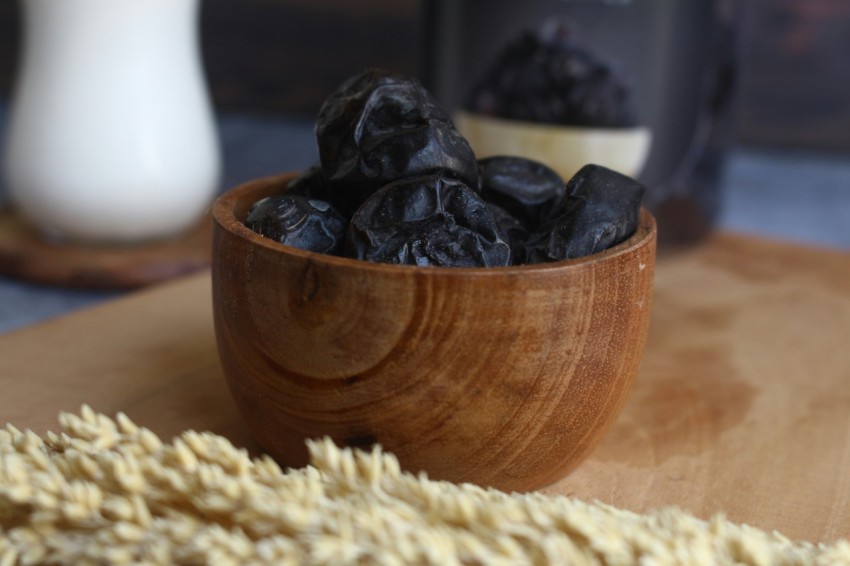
(504, 377)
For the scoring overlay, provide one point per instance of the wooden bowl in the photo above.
(504, 377)
(566, 149)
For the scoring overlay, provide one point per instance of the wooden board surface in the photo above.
(742, 404)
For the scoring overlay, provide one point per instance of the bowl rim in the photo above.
(549, 127)
(224, 216)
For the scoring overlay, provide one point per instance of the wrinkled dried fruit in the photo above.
(512, 231)
(600, 211)
(550, 78)
(310, 184)
(527, 189)
(378, 128)
(392, 162)
(427, 221)
(308, 224)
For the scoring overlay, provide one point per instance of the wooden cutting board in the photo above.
(742, 405)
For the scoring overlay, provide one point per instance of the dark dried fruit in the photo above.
(512, 231)
(378, 128)
(310, 184)
(308, 224)
(527, 189)
(428, 221)
(550, 78)
(409, 182)
(600, 211)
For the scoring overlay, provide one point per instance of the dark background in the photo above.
(284, 56)
(270, 63)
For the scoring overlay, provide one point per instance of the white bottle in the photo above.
(112, 136)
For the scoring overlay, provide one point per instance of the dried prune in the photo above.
(305, 223)
(527, 189)
(601, 210)
(377, 128)
(429, 221)
(310, 184)
(549, 77)
(396, 183)
(512, 230)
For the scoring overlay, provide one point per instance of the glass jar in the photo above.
(642, 86)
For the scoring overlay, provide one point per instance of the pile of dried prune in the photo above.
(378, 128)
(396, 183)
(549, 77)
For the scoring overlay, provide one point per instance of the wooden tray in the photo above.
(25, 255)
(742, 405)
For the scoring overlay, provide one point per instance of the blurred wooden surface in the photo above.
(742, 404)
(25, 255)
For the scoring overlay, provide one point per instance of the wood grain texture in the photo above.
(504, 377)
(742, 403)
(151, 354)
(24, 254)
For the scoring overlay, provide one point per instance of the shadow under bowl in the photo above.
(503, 377)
